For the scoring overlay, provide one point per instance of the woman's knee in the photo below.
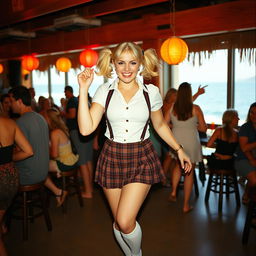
(125, 225)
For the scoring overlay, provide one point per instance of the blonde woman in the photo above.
(225, 139)
(62, 157)
(128, 164)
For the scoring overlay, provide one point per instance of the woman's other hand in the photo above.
(85, 78)
(184, 161)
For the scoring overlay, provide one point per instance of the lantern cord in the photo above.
(172, 16)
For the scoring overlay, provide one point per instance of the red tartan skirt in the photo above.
(123, 163)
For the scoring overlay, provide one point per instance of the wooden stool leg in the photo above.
(78, 191)
(64, 188)
(247, 224)
(221, 192)
(208, 189)
(227, 177)
(25, 217)
(45, 209)
(196, 185)
(236, 188)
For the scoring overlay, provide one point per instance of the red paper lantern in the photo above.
(63, 64)
(88, 58)
(174, 50)
(1, 68)
(30, 62)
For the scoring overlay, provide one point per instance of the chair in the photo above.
(29, 203)
(70, 180)
(251, 214)
(220, 179)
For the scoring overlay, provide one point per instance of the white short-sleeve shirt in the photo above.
(128, 119)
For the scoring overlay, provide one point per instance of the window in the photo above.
(40, 83)
(57, 85)
(245, 86)
(213, 73)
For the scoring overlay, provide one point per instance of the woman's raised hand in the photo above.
(85, 78)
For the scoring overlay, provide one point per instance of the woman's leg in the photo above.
(125, 210)
(87, 176)
(188, 185)
(113, 197)
(3, 251)
(132, 197)
(59, 194)
(175, 181)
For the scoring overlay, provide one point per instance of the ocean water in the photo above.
(212, 103)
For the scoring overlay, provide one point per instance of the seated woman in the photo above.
(245, 162)
(61, 153)
(10, 136)
(225, 139)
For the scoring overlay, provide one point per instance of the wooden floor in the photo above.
(166, 230)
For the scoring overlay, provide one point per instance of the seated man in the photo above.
(33, 169)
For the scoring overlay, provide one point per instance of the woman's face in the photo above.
(6, 104)
(127, 67)
(252, 115)
(235, 120)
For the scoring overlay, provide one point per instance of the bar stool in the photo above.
(69, 182)
(251, 213)
(29, 203)
(220, 179)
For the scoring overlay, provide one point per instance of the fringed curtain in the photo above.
(204, 46)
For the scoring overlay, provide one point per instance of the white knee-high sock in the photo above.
(121, 241)
(133, 239)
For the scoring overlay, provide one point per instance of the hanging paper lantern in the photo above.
(174, 50)
(30, 62)
(88, 58)
(1, 68)
(63, 64)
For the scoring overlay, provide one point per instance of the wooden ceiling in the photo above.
(121, 20)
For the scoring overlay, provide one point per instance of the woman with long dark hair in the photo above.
(187, 119)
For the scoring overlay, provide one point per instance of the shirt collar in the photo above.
(114, 85)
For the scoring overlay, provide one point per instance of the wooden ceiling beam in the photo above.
(21, 10)
(213, 19)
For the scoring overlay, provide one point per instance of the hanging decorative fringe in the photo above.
(203, 47)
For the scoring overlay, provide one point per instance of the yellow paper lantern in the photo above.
(174, 50)
(63, 64)
(1, 68)
(30, 62)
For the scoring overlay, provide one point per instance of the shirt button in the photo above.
(127, 120)
(127, 108)
(124, 139)
(126, 130)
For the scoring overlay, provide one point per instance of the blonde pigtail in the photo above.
(104, 63)
(150, 64)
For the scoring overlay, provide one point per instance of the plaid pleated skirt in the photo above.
(123, 163)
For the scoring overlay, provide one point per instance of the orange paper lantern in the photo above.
(1, 68)
(88, 58)
(63, 64)
(174, 50)
(30, 62)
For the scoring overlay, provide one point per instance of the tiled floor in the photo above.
(166, 230)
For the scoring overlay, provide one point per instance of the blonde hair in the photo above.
(227, 119)
(148, 59)
(56, 121)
